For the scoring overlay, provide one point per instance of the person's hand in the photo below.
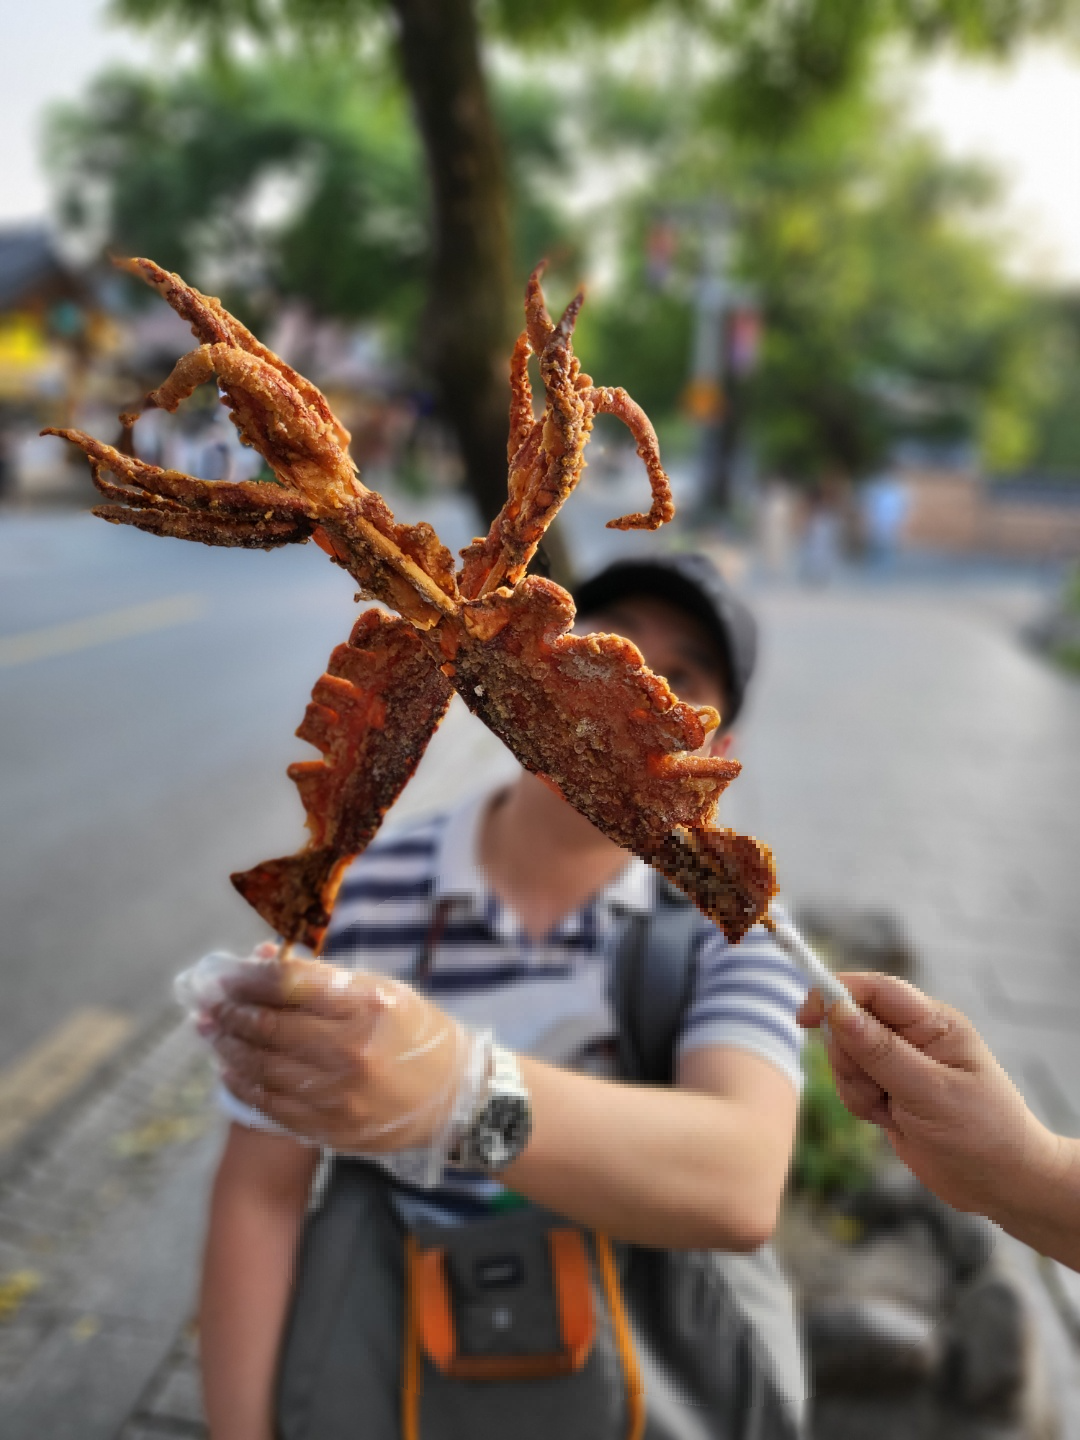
(921, 1071)
(353, 1061)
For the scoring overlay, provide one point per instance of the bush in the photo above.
(834, 1152)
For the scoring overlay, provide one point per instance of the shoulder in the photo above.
(745, 996)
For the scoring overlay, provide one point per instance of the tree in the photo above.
(887, 314)
(176, 169)
(780, 60)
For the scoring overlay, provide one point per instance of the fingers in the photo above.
(811, 1012)
(293, 1112)
(305, 985)
(301, 984)
(310, 1039)
(859, 1093)
(284, 1072)
(925, 1024)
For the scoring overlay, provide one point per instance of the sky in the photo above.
(1023, 118)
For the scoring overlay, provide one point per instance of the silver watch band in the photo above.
(500, 1124)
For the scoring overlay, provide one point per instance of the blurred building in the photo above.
(956, 509)
(51, 326)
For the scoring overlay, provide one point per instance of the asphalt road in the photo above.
(138, 769)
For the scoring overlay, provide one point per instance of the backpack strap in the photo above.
(652, 981)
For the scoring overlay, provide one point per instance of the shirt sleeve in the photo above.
(746, 996)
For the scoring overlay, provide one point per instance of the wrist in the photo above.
(496, 1126)
(1026, 1189)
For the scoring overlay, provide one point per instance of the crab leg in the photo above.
(547, 456)
(522, 419)
(297, 443)
(608, 401)
(371, 715)
(211, 324)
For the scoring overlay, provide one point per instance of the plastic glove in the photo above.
(356, 1062)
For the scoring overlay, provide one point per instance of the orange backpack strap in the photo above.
(577, 1323)
(411, 1369)
(635, 1387)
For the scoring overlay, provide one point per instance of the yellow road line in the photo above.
(56, 1067)
(100, 629)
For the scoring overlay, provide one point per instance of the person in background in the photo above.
(519, 898)
(922, 1072)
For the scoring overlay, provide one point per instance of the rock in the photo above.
(989, 1349)
(861, 1345)
(896, 1199)
(828, 1254)
(862, 1417)
(857, 939)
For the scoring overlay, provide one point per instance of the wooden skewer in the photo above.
(796, 948)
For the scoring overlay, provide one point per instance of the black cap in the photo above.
(694, 584)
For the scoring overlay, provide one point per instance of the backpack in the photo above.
(522, 1326)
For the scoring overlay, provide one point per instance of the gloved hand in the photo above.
(359, 1063)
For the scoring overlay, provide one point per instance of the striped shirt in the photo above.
(416, 906)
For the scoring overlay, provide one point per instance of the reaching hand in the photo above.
(921, 1071)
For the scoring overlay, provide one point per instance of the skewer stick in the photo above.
(796, 948)
(285, 953)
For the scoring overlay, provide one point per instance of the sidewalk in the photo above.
(904, 751)
(100, 1228)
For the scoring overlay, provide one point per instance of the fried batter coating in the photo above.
(547, 456)
(211, 324)
(617, 402)
(371, 715)
(289, 422)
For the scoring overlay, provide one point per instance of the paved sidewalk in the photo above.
(99, 1237)
(904, 750)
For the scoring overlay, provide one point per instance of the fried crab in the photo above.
(583, 711)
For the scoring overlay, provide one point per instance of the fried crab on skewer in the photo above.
(581, 710)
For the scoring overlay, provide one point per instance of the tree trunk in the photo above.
(469, 320)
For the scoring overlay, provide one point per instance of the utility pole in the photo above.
(707, 398)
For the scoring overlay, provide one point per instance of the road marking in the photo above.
(55, 1067)
(100, 629)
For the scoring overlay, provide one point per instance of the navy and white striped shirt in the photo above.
(418, 896)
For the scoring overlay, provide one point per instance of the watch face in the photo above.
(502, 1130)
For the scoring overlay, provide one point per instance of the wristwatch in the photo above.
(501, 1124)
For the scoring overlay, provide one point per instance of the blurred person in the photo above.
(820, 550)
(884, 511)
(776, 514)
(503, 913)
(921, 1071)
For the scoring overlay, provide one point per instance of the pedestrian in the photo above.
(921, 1071)
(511, 913)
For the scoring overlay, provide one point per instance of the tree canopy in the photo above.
(360, 158)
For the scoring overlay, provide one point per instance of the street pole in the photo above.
(707, 397)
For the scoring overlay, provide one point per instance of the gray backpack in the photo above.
(521, 1325)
